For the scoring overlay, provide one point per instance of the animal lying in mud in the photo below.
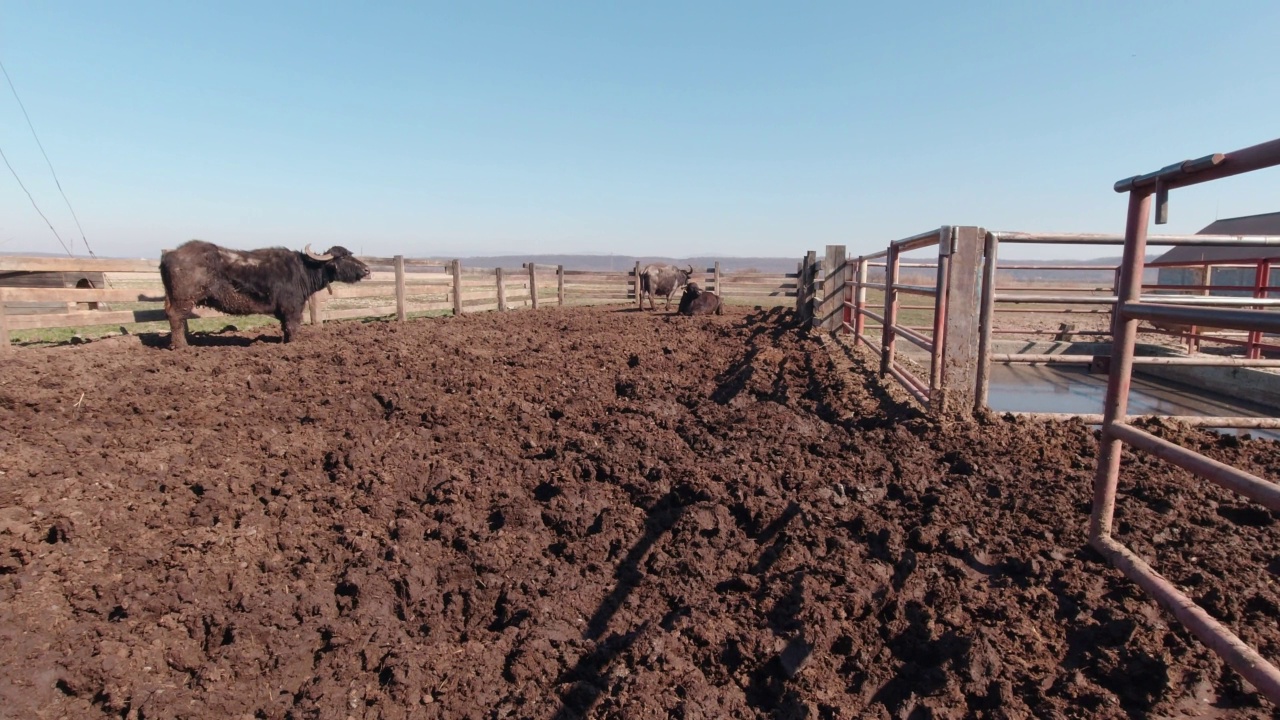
(697, 301)
(272, 281)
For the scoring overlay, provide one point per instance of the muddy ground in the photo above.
(584, 513)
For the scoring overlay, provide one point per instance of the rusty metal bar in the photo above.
(908, 381)
(986, 319)
(1210, 167)
(860, 298)
(915, 289)
(1249, 485)
(1210, 300)
(871, 314)
(939, 292)
(1086, 359)
(915, 242)
(1054, 267)
(1053, 288)
(1244, 659)
(1242, 422)
(1161, 240)
(1029, 331)
(916, 339)
(1056, 311)
(1230, 319)
(1124, 336)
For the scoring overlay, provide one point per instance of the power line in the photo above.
(49, 163)
(33, 203)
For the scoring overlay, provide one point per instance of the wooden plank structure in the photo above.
(397, 288)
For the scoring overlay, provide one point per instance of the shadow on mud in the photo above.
(161, 340)
(739, 375)
(588, 674)
(893, 411)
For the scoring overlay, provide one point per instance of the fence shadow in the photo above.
(587, 675)
(892, 410)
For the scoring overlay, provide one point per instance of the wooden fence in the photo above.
(397, 286)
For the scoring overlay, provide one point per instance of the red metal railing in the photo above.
(856, 311)
(1132, 308)
(994, 297)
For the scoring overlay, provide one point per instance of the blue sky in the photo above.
(661, 128)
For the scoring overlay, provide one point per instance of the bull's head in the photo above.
(339, 264)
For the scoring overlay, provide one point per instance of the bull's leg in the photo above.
(289, 324)
(177, 314)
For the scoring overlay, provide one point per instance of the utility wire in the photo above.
(49, 163)
(33, 203)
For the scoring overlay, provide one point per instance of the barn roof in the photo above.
(1265, 224)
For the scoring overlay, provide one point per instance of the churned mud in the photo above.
(584, 513)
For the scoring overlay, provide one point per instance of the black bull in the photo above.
(697, 301)
(660, 279)
(272, 281)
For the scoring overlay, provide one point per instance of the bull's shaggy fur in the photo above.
(272, 281)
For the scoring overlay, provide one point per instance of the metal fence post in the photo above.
(890, 310)
(986, 321)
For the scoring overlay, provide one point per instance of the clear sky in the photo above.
(664, 128)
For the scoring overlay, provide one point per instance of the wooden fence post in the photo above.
(635, 276)
(716, 280)
(957, 390)
(4, 329)
(402, 313)
(533, 285)
(502, 290)
(560, 284)
(456, 268)
(811, 284)
(833, 288)
(317, 316)
(799, 287)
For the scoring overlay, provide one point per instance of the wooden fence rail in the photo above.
(396, 287)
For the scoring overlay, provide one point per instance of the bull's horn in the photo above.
(313, 256)
(690, 269)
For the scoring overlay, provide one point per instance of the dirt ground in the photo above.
(584, 513)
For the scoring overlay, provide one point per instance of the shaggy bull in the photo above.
(697, 301)
(273, 281)
(661, 279)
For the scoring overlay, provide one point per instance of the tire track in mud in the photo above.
(582, 512)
